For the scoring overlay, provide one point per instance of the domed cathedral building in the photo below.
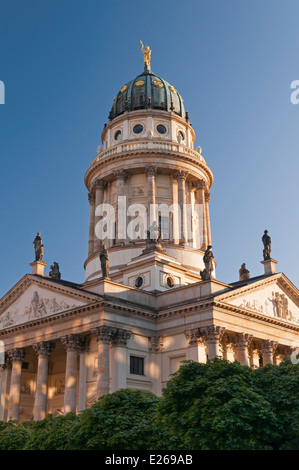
(150, 298)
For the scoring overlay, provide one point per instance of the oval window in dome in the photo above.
(158, 83)
(170, 282)
(139, 282)
(161, 129)
(139, 83)
(138, 128)
(117, 135)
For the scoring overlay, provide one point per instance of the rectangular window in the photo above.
(136, 365)
(164, 227)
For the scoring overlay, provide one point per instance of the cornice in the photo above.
(174, 156)
(122, 307)
(257, 315)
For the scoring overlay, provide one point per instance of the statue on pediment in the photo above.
(266, 239)
(38, 247)
(54, 271)
(244, 274)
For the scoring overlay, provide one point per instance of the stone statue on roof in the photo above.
(209, 261)
(266, 239)
(55, 273)
(38, 247)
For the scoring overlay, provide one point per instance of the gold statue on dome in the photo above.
(146, 54)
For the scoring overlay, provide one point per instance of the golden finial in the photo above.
(146, 54)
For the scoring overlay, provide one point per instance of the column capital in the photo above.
(71, 342)
(212, 333)
(104, 333)
(91, 198)
(121, 337)
(200, 184)
(207, 197)
(243, 340)
(269, 346)
(156, 343)
(16, 355)
(84, 344)
(99, 184)
(192, 336)
(43, 349)
(181, 175)
(151, 170)
(120, 174)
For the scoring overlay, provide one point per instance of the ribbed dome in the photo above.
(147, 91)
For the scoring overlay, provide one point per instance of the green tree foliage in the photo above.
(51, 433)
(218, 405)
(13, 436)
(223, 405)
(124, 420)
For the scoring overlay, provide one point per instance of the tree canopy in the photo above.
(218, 405)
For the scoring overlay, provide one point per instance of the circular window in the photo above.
(170, 281)
(117, 135)
(139, 282)
(161, 129)
(137, 129)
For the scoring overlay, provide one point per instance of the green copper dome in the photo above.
(147, 91)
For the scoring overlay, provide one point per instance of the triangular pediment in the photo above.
(35, 297)
(273, 296)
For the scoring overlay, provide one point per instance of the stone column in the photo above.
(242, 344)
(120, 214)
(151, 172)
(208, 222)
(212, 335)
(228, 347)
(104, 335)
(119, 360)
(181, 176)
(268, 350)
(155, 369)
(99, 186)
(83, 374)
(5, 370)
(91, 238)
(43, 350)
(200, 187)
(176, 212)
(16, 356)
(193, 338)
(72, 344)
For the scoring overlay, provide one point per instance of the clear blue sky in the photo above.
(233, 61)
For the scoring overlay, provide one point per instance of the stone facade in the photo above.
(67, 344)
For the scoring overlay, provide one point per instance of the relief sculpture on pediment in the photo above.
(276, 306)
(281, 306)
(38, 307)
